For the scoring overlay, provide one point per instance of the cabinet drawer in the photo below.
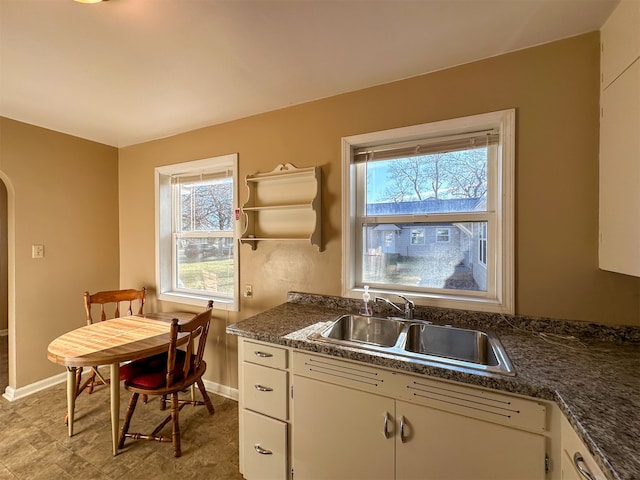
(572, 447)
(264, 447)
(266, 355)
(265, 390)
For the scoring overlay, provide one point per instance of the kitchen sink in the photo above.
(456, 343)
(420, 341)
(367, 330)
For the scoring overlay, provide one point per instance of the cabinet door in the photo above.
(620, 36)
(339, 433)
(620, 174)
(433, 444)
(577, 462)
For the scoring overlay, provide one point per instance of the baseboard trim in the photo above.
(13, 394)
(222, 390)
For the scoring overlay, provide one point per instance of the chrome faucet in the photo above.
(408, 306)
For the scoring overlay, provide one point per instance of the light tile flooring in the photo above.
(34, 442)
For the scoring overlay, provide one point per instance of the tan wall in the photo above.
(64, 192)
(554, 88)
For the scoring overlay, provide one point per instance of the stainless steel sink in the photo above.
(368, 330)
(455, 343)
(420, 341)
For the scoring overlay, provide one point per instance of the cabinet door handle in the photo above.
(260, 354)
(261, 450)
(385, 429)
(578, 461)
(262, 388)
(403, 438)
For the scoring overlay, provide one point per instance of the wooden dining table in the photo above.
(111, 342)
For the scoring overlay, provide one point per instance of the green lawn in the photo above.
(215, 275)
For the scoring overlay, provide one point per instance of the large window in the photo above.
(445, 192)
(196, 237)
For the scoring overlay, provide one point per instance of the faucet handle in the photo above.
(408, 307)
(407, 301)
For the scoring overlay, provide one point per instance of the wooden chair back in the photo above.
(196, 331)
(114, 298)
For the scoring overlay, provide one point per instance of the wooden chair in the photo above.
(169, 373)
(110, 304)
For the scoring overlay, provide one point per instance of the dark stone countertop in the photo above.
(592, 372)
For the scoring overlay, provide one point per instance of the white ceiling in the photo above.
(128, 71)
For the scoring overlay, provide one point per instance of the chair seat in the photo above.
(151, 372)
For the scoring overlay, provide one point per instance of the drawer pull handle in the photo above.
(578, 461)
(385, 430)
(262, 388)
(261, 450)
(262, 354)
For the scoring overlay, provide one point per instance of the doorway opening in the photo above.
(4, 290)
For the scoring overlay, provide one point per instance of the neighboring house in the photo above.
(452, 251)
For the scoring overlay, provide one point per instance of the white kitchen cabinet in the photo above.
(354, 421)
(263, 410)
(339, 433)
(619, 201)
(577, 462)
(283, 204)
(620, 41)
(435, 444)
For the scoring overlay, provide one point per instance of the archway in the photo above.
(7, 316)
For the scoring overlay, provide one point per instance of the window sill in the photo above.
(198, 300)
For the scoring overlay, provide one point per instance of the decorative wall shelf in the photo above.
(283, 204)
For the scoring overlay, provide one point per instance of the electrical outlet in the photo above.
(248, 291)
(37, 251)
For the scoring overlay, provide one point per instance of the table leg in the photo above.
(72, 387)
(115, 405)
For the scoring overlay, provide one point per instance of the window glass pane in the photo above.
(206, 206)
(205, 264)
(439, 183)
(430, 263)
(204, 239)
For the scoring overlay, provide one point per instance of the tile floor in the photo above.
(34, 442)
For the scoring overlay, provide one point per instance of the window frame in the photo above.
(165, 216)
(447, 234)
(499, 296)
(418, 233)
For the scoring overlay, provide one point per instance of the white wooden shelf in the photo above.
(283, 205)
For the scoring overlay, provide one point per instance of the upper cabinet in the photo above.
(619, 212)
(283, 204)
(620, 41)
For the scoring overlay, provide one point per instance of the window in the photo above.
(417, 236)
(446, 189)
(196, 232)
(442, 235)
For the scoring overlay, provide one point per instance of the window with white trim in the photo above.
(442, 235)
(417, 236)
(196, 258)
(446, 189)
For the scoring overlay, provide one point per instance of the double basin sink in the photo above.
(421, 341)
